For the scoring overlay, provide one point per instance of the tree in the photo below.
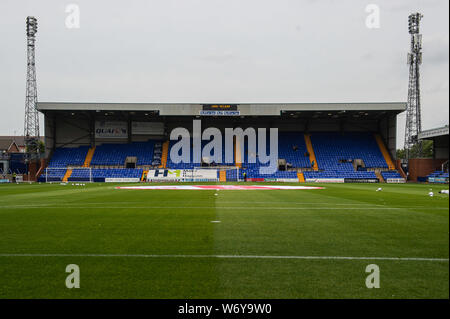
(427, 150)
(401, 153)
(41, 146)
(36, 146)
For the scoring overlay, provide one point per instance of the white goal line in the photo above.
(230, 257)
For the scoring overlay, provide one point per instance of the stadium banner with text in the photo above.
(395, 180)
(361, 180)
(164, 175)
(255, 179)
(111, 129)
(121, 180)
(281, 180)
(438, 180)
(287, 180)
(175, 175)
(4, 180)
(220, 110)
(147, 128)
(220, 107)
(324, 180)
(220, 113)
(200, 175)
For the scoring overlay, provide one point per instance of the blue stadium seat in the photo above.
(63, 157)
(334, 154)
(99, 173)
(331, 148)
(292, 148)
(115, 154)
(391, 174)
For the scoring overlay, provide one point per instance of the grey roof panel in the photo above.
(192, 109)
(440, 131)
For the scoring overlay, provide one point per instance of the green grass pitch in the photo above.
(100, 228)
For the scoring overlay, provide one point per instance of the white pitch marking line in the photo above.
(221, 207)
(231, 257)
(223, 202)
(367, 208)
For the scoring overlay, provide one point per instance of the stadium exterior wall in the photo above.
(421, 167)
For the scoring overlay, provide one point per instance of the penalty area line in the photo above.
(230, 257)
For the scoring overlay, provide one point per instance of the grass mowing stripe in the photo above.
(400, 222)
(230, 256)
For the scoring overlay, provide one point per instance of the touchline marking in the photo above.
(223, 202)
(230, 257)
(219, 207)
(63, 204)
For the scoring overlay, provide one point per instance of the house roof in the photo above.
(5, 144)
(18, 139)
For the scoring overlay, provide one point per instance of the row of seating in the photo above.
(340, 174)
(108, 154)
(115, 154)
(107, 173)
(438, 174)
(79, 174)
(292, 148)
(62, 157)
(207, 159)
(335, 154)
(255, 173)
(333, 149)
(390, 174)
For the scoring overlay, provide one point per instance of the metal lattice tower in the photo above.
(31, 125)
(413, 116)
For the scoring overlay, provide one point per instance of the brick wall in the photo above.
(421, 167)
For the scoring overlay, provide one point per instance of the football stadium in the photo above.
(111, 200)
(224, 200)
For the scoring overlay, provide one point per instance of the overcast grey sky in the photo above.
(223, 51)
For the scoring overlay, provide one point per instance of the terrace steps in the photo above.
(237, 153)
(380, 177)
(67, 175)
(89, 156)
(222, 176)
(385, 152)
(312, 156)
(301, 177)
(401, 171)
(165, 154)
